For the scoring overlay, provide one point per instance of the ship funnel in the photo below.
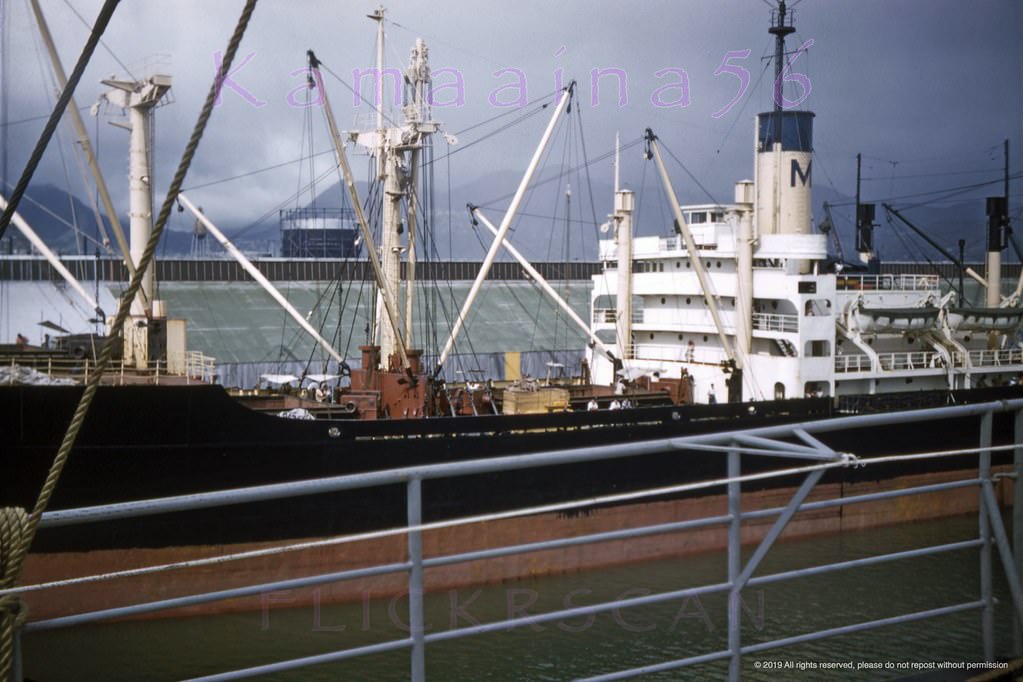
(784, 168)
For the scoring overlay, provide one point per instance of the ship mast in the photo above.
(397, 150)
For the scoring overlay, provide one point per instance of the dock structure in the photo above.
(84, 268)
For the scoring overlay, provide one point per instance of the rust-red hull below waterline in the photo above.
(106, 594)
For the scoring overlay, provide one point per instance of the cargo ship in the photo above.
(737, 319)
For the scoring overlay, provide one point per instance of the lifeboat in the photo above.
(985, 319)
(898, 320)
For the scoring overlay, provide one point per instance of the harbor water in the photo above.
(175, 648)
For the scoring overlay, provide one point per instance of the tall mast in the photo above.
(418, 113)
(397, 146)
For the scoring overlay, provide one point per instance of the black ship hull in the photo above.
(143, 442)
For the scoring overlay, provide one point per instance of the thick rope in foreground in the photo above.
(89, 393)
(13, 526)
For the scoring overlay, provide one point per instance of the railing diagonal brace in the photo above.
(779, 525)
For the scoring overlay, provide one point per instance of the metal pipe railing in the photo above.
(752, 442)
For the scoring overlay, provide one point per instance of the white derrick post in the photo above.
(545, 285)
(259, 277)
(50, 256)
(139, 98)
(744, 198)
(694, 255)
(505, 225)
(624, 203)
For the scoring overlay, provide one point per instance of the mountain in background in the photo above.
(539, 232)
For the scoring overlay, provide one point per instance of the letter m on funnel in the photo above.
(804, 178)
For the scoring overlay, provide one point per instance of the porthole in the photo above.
(705, 339)
(663, 300)
(688, 300)
(651, 337)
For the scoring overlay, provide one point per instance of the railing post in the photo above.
(415, 580)
(17, 674)
(986, 593)
(734, 567)
(1017, 524)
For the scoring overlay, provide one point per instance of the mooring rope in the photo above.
(20, 539)
(13, 525)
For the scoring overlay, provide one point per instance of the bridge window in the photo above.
(779, 391)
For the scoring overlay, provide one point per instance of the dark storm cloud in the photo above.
(930, 85)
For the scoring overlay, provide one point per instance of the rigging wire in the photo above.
(358, 93)
(589, 180)
(524, 117)
(949, 191)
(492, 203)
(691, 176)
(88, 25)
(247, 174)
(58, 111)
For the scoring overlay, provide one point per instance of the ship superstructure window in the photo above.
(818, 307)
(717, 217)
(697, 217)
(817, 349)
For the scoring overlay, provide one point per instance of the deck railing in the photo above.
(610, 315)
(773, 322)
(886, 282)
(810, 457)
(929, 360)
(197, 366)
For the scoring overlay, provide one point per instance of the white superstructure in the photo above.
(796, 325)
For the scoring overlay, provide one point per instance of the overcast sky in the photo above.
(925, 89)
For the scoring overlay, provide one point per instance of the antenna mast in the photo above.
(779, 30)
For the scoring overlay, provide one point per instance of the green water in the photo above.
(582, 646)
